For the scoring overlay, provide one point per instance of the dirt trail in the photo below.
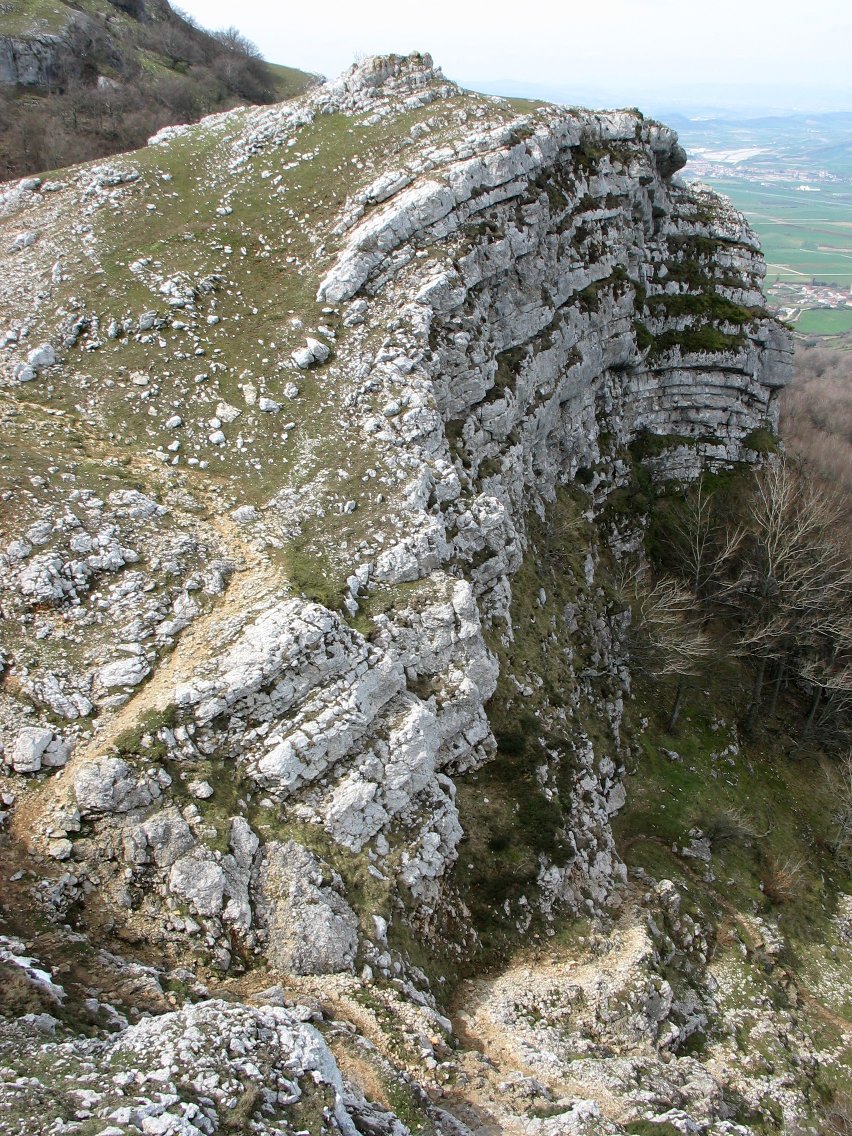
(255, 577)
(494, 1053)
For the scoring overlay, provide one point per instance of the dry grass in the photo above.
(784, 879)
(838, 1115)
(729, 826)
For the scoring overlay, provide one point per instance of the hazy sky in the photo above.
(777, 52)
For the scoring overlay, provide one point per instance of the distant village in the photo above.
(791, 298)
(733, 164)
(787, 299)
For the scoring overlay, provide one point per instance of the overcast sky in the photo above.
(786, 53)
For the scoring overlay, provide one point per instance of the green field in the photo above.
(825, 321)
(805, 236)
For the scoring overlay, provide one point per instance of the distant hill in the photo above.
(88, 79)
(810, 142)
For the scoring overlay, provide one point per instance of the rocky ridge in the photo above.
(333, 504)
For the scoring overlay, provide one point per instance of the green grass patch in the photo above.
(762, 440)
(129, 744)
(705, 305)
(288, 82)
(825, 321)
(34, 17)
(765, 809)
(700, 340)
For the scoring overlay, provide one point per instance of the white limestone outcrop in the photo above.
(516, 300)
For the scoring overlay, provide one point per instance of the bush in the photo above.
(728, 827)
(783, 880)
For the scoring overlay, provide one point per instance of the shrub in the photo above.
(728, 827)
(783, 880)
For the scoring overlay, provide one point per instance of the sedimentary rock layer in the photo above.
(521, 295)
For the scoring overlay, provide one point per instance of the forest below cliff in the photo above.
(817, 415)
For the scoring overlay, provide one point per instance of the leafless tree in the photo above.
(706, 542)
(666, 638)
(816, 415)
(793, 579)
(233, 40)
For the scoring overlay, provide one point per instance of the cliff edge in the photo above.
(296, 400)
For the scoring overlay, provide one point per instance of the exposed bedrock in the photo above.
(520, 303)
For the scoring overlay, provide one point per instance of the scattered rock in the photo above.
(310, 928)
(311, 354)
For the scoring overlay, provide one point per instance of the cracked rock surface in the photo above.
(293, 395)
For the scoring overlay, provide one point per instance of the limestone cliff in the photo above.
(295, 396)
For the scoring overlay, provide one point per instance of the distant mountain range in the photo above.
(731, 102)
(811, 141)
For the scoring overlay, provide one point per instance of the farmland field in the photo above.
(824, 321)
(805, 235)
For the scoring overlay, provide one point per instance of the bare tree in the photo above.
(793, 579)
(233, 40)
(816, 415)
(706, 541)
(666, 639)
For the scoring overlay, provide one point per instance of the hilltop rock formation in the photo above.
(329, 368)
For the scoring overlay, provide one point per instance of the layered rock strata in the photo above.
(256, 777)
(545, 291)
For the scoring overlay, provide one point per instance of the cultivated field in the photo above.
(805, 235)
(825, 321)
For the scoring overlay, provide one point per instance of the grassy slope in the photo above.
(273, 248)
(289, 81)
(167, 71)
(768, 808)
(33, 17)
(38, 17)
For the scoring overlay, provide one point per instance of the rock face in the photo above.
(310, 928)
(324, 580)
(32, 62)
(548, 292)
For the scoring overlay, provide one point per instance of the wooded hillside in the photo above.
(100, 77)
